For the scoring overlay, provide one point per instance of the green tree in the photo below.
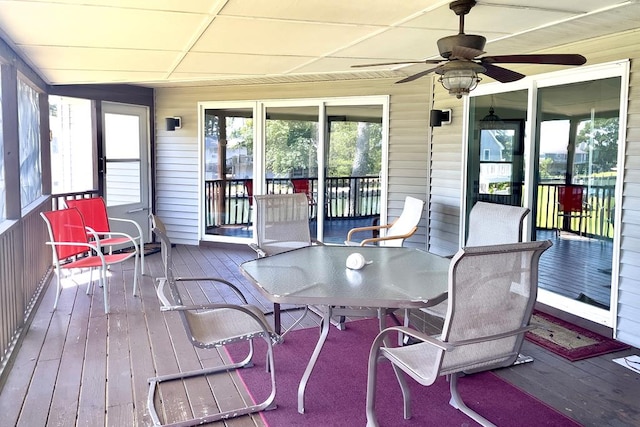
(356, 149)
(544, 168)
(601, 135)
(291, 145)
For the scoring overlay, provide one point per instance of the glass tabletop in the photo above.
(393, 277)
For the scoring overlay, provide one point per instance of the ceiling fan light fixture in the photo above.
(491, 120)
(459, 81)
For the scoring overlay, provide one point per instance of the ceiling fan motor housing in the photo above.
(446, 44)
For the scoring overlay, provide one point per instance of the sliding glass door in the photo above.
(291, 154)
(354, 152)
(331, 150)
(577, 156)
(541, 145)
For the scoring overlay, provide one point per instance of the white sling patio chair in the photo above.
(397, 231)
(492, 292)
(210, 326)
(282, 224)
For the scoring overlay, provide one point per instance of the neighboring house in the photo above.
(491, 150)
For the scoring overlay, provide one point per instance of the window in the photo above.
(29, 138)
(71, 145)
(3, 210)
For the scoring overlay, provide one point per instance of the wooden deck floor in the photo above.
(77, 366)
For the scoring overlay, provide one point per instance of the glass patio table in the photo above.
(400, 278)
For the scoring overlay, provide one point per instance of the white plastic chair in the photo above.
(492, 292)
(397, 231)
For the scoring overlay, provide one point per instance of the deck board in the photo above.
(77, 366)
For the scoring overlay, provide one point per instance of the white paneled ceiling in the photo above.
(174, 42)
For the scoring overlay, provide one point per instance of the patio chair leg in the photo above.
(58, 289)
(137, 272)
(267, 404)
(90, 284)
(141, 258)
(456, 402)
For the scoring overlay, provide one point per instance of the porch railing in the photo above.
(24, 265)
(596, 221)
(229, 202)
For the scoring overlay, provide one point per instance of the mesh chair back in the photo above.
(94, 212)
(301, 185)
(165, 252)
(492, 291)
(570, 198)
(282, 222)
(66, 225)
(495, 224)
(407, 221)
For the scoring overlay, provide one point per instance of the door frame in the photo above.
(138, 212)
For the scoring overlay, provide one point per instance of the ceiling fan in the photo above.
(459, 66)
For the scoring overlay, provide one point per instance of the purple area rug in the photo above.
(568, 340)
(336, 391)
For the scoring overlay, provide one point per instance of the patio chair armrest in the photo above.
(442, 345)
(109, 234)
(381, 239)
(233, 287)
(366, 228)
(119, 234)
(131, 222)
(90, 247)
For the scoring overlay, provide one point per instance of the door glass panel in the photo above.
(122, 152)
(353, 169)
(495, 170)
(577, 154)
(228, 163)
(291, 155)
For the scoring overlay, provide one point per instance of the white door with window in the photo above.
(125, 165)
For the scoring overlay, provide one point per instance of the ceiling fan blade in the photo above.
(417, 75)
(558, 59)
(424, 61)
(500, 74)
(462, 52)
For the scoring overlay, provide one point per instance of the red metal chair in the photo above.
(94, 213)
(73, 248)
(301, 185)
(571, 205)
